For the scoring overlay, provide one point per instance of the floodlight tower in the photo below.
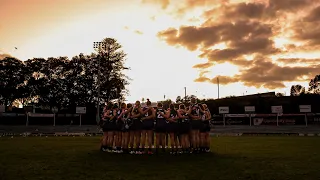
(98, 46)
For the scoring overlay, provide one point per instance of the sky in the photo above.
(252, 46)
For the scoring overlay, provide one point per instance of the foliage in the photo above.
(297, 90)
(314, 85)
(62, 82)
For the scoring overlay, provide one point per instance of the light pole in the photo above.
(218, 86)
(98, 46)
(185, 94)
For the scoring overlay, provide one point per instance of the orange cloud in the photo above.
(250, 29)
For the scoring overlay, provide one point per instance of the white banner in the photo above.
(276, 109)
(2, 109)
(249, 109)
(305, 108)
(223, 110)
(81, 110)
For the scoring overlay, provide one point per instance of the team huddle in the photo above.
(136, 130)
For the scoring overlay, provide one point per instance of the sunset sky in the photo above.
(253, 46)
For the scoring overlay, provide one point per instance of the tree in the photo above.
(279, 94)
(112, 59)
(314, 85)
(187, 99)
(179, 99)
(297, 90)
(53, 87)
(12, 77)
(166, 103)
(81, 83)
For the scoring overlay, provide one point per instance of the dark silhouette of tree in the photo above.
(179, 99)
(113, 80)
(297, 90)
(314, 85)
(279, 94)
(12, 78)
(166, 103)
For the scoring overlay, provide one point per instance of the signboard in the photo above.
(81, 110)
(2, 109)
(249, 108)
(276, 109)
(305, 108)
(223, 110)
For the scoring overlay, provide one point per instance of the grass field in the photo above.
(78, 158)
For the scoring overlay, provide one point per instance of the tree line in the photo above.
(65, 83)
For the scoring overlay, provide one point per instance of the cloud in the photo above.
(203, 65)
(299, 61)
(264, 30)
(265, 73)
(135, 31)
(314, 15)
(138, 32)
(241, 37)
(308, 30)
(164, 3)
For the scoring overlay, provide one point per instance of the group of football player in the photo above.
(138, 130)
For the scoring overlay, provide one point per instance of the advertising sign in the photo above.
(305, 108)
(223, 110)
(276, 109)
(249, 108)
(81, 110)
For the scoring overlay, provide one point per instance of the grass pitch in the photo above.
(78, 158)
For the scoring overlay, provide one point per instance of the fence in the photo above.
(222, 120)
(46, 119)
(266, 119)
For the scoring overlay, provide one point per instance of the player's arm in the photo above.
(190, 109)
(202, 110)
(166, 114)
(208, 114)
(179, 114)
(107, 114)
(176, 118)
(152, 115)
(134, 115)
(128, 111)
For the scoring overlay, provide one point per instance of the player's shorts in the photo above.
(205, 126)
(196, 124)
(109, 126)
(184, 127)
(172, 127)
(136, 125)
(160, 126)
(119, 125)
(104, 126)
(148, 124)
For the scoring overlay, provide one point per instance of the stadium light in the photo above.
(98, 46)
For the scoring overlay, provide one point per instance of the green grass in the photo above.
(78, 158)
